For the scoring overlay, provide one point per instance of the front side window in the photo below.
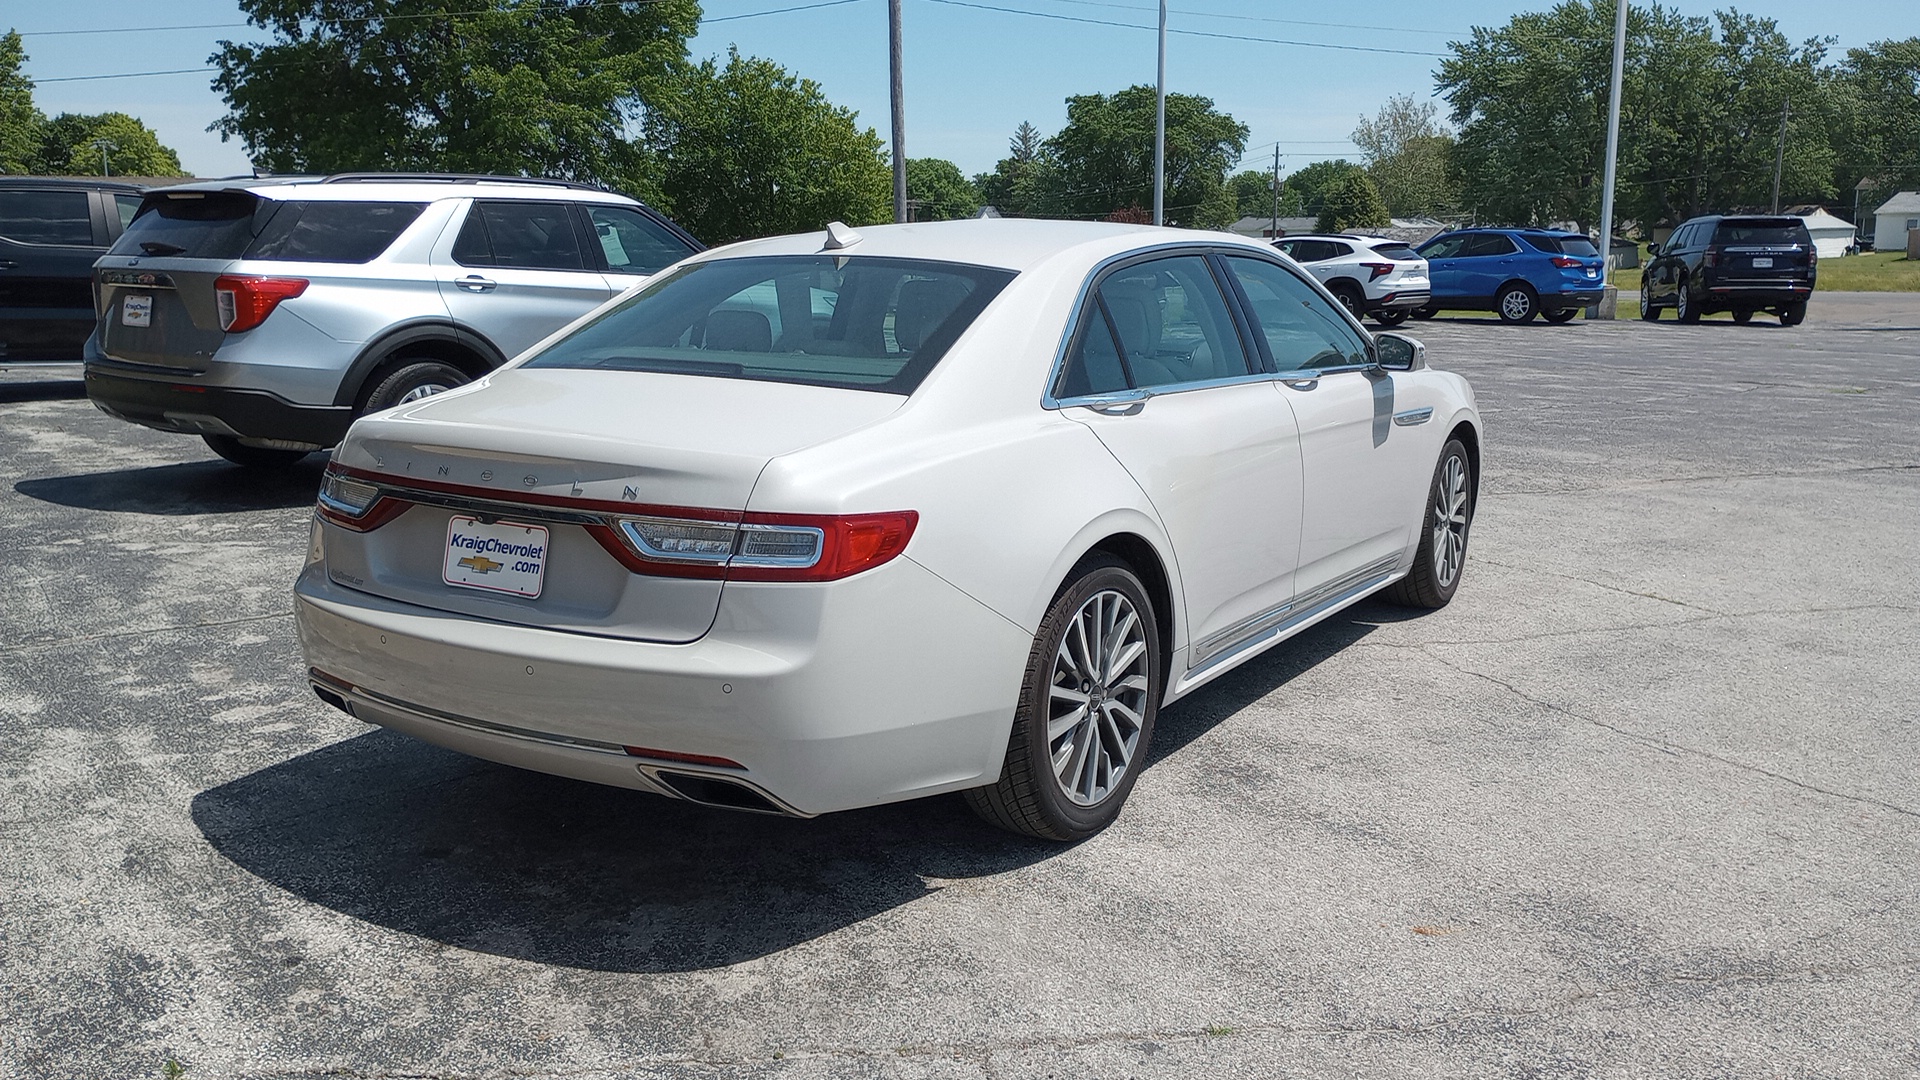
(526, 235)
(1302, 330)
(333, 232)
(46, 217)
(857, 323)
(634, 243)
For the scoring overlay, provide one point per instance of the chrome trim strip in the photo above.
(484, 727)
(1123, 397)
(495, 508)
(1413, 416)
(1270, 623)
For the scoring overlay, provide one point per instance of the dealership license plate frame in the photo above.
(136, 310)
(475, 550)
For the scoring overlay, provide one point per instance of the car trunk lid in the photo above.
(569, 451)
(157, 304)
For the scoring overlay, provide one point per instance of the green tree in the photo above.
(1253, 195)
(1876, 128)
(939, 191)
(750, 150)
(1014, 186)
(1354, 203)
(506, 86)
(67, 146)
(1103, 158)
(20, 120)
(1315, 182)
(1406, 150)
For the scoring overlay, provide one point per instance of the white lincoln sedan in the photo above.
(831, 520)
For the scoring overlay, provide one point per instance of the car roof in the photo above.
(85, 183)
(361, 187)
(1360, 237)
(1008, 243)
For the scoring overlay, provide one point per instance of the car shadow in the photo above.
(12, 393)
(198, 487)
(427, 842)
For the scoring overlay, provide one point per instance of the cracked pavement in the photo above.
(1640, 803)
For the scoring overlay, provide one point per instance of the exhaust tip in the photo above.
(333, 698)
(718, 792)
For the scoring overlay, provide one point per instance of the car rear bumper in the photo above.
(1402, 300)
(1757, 294)
(885, 686)
(177, 403)
(1573, 298)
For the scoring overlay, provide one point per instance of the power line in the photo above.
(1188, 33)
(1258, 18)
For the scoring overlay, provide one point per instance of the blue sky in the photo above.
(974, 68)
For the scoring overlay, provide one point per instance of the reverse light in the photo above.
(245, 302)
(355, 505)
(1379, 270)
(760, 547)
(1711, 258)
(1566, 263)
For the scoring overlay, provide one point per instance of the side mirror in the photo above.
(1653, 249)
(1398, 352)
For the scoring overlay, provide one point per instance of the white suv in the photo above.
(1370, 275)
(264, 315)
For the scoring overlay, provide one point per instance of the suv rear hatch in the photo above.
(544, 449)
(1761, 250)
(156, 292)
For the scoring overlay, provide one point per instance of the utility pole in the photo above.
(1159, 128)
(899, 113)
(1274, 233)
(104, 145)
(1780, 152)
(1613, 153)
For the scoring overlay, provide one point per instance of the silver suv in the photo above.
(265, 315)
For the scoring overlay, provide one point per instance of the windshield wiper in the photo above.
(156, 247)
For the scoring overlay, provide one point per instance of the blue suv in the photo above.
(1517, 273)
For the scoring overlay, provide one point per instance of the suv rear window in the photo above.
(1395, 251)
(197, 224)
(857, 323)
(1761, 231)
(333, 232)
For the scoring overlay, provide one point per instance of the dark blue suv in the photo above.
(1516, 273)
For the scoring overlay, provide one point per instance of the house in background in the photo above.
(1892, 220)
(1832, 236)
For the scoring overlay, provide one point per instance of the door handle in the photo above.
(474, 283)
(1302, 384)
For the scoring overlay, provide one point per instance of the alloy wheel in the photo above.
(1516, 305)
(1098, 700)
(1450, 522)
(419, 392)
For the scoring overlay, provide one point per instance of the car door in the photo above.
(1365, 455)
(516, 271)
(1158, 368)
(1484, 262)
(49, 238)
(1443, 271)
(1661, 276)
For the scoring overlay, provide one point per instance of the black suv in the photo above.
(51, 231)
(1740, 264)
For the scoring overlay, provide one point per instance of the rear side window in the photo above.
(1172, 323)
(333, 232)
(1395, 251)
(1761, 231)
(1561, 245)
(634, 243)
(46, 217)
(856, 323)
(528, 235)
(126, 206)
(196, 224)
(1481, 244)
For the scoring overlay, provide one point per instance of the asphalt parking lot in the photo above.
(1643, 802)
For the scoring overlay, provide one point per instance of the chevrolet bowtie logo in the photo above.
(480, 564)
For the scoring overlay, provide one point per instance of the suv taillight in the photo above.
(245, 302)
(1378, 270)
(1566, 263)
(1711, 258)
(1813, 255)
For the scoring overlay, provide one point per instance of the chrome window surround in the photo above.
(1185, 247)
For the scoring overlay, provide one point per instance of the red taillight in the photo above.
(1813, 256)
(690, 759)
(1566, 263)
(1711, 258)
(245, 302)
(1379, 270)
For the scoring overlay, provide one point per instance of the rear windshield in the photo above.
(1563, 245)
(333, 232)
(236, 225)
(862, 324)
(1760, 231)
(197, 224)
(1395, 251)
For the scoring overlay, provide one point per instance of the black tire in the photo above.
(1684, 308)
(413, 379)
(1428, 584)
(1349, 297)
(1743, 315)
(1517, 303)
(1390, 316)
(1424, 313)
(1647, 309)
(1028, 798)
(252, 457)
(1560, 315)
(1794, 314)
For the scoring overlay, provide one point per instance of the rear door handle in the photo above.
(474, 283)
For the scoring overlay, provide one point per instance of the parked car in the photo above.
(1740, 264)
(264, 315)
(51, 231)
(824, 521)
(1516, 273)
(1369, 275)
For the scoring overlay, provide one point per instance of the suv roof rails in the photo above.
(451, 178)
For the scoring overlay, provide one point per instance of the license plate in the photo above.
(136, 311)
(1762, 264)
(1591, 272)
(501, 557)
